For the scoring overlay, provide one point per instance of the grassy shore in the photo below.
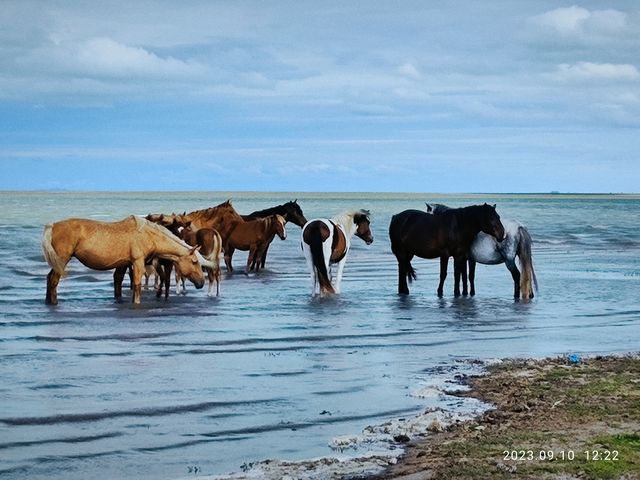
(553, 419)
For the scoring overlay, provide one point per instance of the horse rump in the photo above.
(50, 254)
(313, 237)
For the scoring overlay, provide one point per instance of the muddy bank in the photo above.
(558, 418)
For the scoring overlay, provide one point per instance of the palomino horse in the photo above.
(109, 245)
(291, 212)
(448, 234)
(255, 236)
(210, 244)
(487, 250)
(326, 242)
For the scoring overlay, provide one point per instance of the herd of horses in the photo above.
(192, 244)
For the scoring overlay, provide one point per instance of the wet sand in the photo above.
(560, 418)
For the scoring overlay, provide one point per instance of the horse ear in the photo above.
(295, 201)
(494, 206)
(187, 224)
(194, 249)
(429, 207)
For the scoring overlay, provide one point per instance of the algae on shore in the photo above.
(552, 420)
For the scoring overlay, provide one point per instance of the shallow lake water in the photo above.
(106, 390)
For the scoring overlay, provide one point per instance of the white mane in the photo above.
(346, 220)
(143, 222)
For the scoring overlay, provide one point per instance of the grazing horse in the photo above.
(291, 212)
(119, 245)
(255, 236)
(450, 234)
(326, 242)
(210, 244)
(487, 250)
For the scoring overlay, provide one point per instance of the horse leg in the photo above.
(444, 260)
(118, 278)
(404, 266)
(312, 271)
(228, 254)
(339, 274)
(456, 277)
(52, 287)
(250, 259)
(472, 277)
(168, 266)
(211, 278)
(138, 271)
(263, 259)
(515, 274)
(463, 273)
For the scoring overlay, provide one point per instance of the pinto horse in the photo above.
(487, 250)
(450, 234)
(119, 245)
(255, 236)
(326, 242)
(291, 212)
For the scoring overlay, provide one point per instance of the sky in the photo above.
(393, 96)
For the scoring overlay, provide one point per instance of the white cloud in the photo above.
(409, 70)
(596, 71)
(574, 20)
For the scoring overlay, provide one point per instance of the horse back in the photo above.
(414, 232)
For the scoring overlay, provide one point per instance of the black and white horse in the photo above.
(487, 250)
(326, 242)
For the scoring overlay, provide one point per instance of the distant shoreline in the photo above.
(346, 195)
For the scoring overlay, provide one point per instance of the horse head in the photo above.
(490, 222)
(363, 230)
(279, 224)
(293, 213)
(189, 266)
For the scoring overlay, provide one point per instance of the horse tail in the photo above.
(50, 255)
(317, 256)
(394, 234)
(528, 278)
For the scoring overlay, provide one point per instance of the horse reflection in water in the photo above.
(487, 250)
(326, 242)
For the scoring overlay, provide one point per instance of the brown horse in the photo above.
(291, 212)
(210, 244)
(115, 245)
(223, 218)
(255, 236)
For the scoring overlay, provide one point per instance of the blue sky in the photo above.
(492, 96)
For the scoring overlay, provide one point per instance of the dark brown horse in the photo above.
(255, 236)
(449, 234)
(291, 212)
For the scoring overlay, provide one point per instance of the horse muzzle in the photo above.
(199, 284)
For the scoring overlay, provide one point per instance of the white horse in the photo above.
(487, 250)
(326, 242)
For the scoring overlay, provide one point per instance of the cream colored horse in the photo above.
(116, 245)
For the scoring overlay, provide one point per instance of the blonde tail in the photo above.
(49, 252)
(528, 279)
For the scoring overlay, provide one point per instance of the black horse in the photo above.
(449, 234)
(291, 212)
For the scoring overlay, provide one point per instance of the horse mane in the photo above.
(347, 219)
(278, 209)
(144, 223)
(208, 213)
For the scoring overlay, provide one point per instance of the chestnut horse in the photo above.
(210, 244)
(119, 245)
(255, 236)
(449, 234)
(291, 212)
(223, 218)
(326, 242)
